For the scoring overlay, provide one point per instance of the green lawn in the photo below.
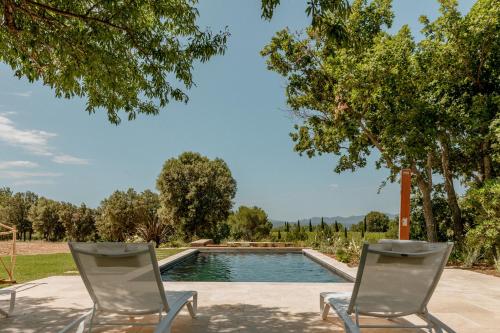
(34, 267)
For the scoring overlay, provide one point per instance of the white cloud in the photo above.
(34, 141)
(68, 159)
(17, 164)
(24, 174)
(29, 182)
(20, 94)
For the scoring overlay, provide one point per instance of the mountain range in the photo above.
(347, 221)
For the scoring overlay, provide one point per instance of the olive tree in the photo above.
(118, 216)
(249, 223)
(45, 219)
(195, 194)
(79, 222)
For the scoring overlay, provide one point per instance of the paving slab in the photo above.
(468, 302)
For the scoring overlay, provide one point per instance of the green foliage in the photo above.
(149, 226)
(336, 226)
(78, 222)
(376, 222)
(195, 194)
(118, 216)
(310, 226)
(393, 231)
(14, 208)
(45, 219)
(441, 212)
(384, 91)
(249, 223)
(327, 16)
(345, 232)
(484, 238)
(118, 55)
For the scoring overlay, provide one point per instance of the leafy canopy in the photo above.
(122, 56)
(249, 223)
(195, 194)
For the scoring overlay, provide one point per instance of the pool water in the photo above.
(249, 267)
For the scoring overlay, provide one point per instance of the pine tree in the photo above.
(336, 226)
(310, 226)
(345, 232)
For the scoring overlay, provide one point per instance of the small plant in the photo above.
(471, 256)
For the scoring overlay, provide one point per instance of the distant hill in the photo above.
(347, 221)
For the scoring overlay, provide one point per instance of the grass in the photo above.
(39, 266)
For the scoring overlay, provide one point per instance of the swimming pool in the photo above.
(249, 267)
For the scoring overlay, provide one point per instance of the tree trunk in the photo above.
(428, 215)
(456, 213)
(425, 187)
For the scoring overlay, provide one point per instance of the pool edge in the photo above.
(346, 272)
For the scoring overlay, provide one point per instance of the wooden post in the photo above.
(404, 211)
(9, 270)
(13, 254)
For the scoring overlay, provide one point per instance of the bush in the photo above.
(482, 240)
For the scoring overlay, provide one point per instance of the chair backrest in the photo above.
(397, 278)
(121, 278)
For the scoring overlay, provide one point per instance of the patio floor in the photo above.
(466, 301)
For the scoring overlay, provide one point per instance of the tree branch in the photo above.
(78, 16)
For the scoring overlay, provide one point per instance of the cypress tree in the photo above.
(310, 226)
(336, 226)
(322, 224)
(364, 225)
(298, 225)
(345, 232)
(287, 228)
(362, 232)
(279, 235)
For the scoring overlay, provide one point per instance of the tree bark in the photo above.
(425, 187)
(456, 213)
(8, 15)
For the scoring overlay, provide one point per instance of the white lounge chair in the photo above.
(124, 279)
(12, 302)
(394, 279)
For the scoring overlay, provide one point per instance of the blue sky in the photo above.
(236, 112)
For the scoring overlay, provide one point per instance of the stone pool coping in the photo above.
(341, 269)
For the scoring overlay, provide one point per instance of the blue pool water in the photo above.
(249, 267)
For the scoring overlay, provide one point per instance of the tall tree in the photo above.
(45, 219)
(118, 216)
(79, 222)
(375, 222)
(371, 92)
(458, 61)
(150, 227)
(310, 226)
(121, 56)
(14, 208)
(250, 223)
(195, 194)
